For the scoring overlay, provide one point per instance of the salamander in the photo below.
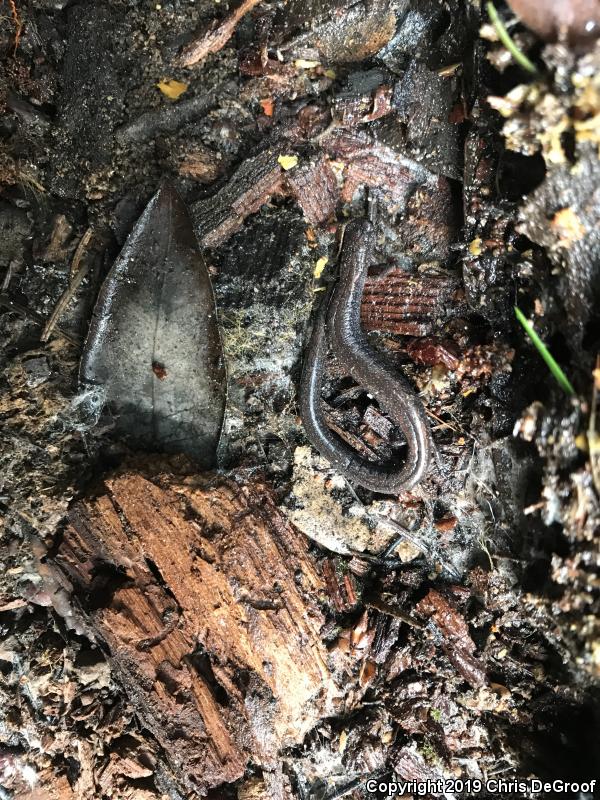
(338, 325)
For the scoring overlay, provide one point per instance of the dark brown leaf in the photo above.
(153, 349)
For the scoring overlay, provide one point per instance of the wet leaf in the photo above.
(154, 350)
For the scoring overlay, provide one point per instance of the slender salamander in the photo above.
(338, 324)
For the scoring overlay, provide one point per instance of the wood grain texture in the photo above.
(209, 605)
(411, 305)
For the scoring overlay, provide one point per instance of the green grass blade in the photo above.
(554, 368)
(504, 37)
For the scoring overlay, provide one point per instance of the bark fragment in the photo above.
(254, 183)
(315, 189)
(412, 305)
(340, 32)
(312, 184)
(216, 38)
(455, 636)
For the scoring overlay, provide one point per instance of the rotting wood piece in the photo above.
(368, 162)
(208, 602)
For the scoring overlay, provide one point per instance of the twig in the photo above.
(63, 302)
(403, 533)
(77, 273)
(7, 278)
(444, 424)
(385, 608)
(10, 305)
(342, 791)
(167, 118)
(213, 40)
(81, 248)
(18, 24)
(421, 546)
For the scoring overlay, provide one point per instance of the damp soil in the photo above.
(470, 604)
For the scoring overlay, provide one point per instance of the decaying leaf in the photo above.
(171, 88)
(288, 162)
(154, 349)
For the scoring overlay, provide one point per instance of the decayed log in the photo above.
(208, 603)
